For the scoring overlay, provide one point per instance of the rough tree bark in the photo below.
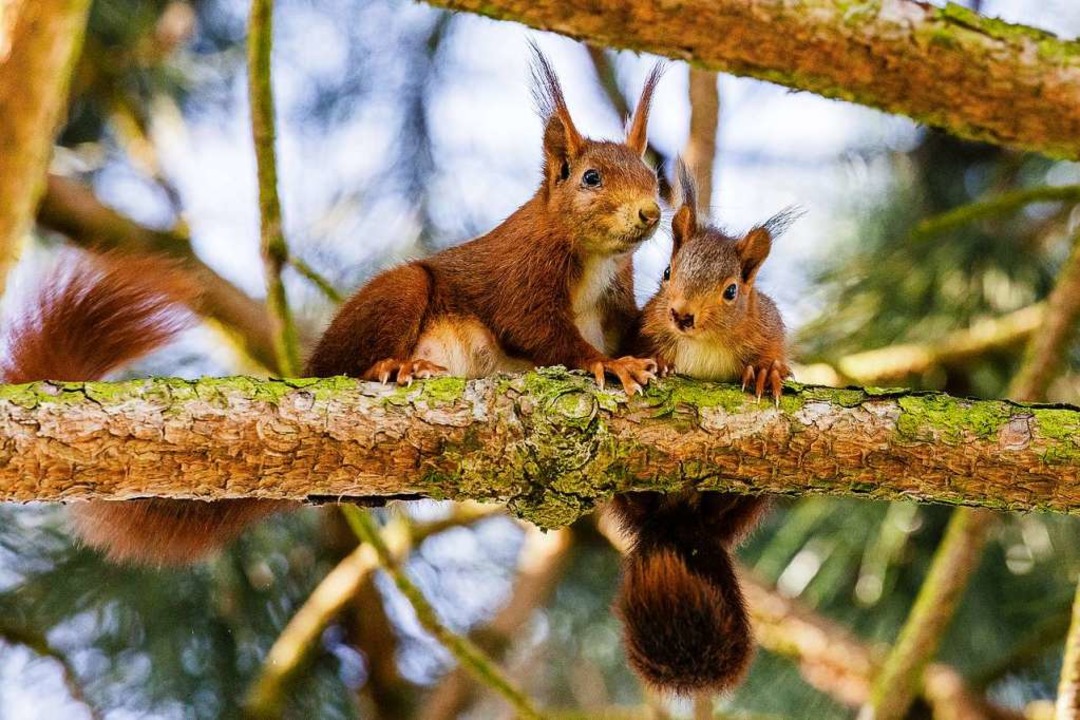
(977, 77)
(550, 443)
(36, 58)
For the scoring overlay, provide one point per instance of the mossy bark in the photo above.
(549, 443)
(949, 67)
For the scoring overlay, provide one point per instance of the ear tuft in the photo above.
(684, 224)
(637, 135)
(562, 141)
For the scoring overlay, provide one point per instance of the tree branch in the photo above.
(977, 77)
(549, 443)
(266, 697)
(899, 362)
(465, 651)
(70, 208)
(39, 43)
(275, 252)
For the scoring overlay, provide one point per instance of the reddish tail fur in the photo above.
(91, 316)
(684, 617)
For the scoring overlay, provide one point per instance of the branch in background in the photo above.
(37, 643)
(39, 44)
(466, 653)
(275, 252)
(955, 561)
(541, 565)
(1001, 204)
(898, 362)
(1067, 706)
(550, 443)
(979, 78)
(957, 557)
(605, 74)
(70, 208)
(700, 152)
(297, 641)
(325, 286)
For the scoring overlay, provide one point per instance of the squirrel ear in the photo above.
(683, 226)
(562, 141)
(637, 134)
(753, 249)
(685, 223)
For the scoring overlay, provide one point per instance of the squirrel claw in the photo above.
(768, 375)
(403, 371)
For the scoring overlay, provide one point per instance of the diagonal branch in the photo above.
(977, 77)
(550, 443)
(464, 650)
(70, 208)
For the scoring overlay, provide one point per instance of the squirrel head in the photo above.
(603, 190)
(709, 284)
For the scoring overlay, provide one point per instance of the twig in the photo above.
(1067, 706)
(297, 640)
(542, 561)
(275, 252)
(324, 285)
(995, 206)
(464, 650)
(957, 557)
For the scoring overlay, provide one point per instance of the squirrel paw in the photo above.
(766, 373)
(404, 371)
(632, 372)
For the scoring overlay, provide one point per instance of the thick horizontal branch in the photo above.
(550, 443)
(949, 67)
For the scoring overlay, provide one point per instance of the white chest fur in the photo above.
(466, 348)
(704, 361)
(596, 279)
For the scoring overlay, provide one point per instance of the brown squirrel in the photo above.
(552, 284)
(685, 622)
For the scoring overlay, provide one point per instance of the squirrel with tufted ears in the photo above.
(684, 617)
(551, 285)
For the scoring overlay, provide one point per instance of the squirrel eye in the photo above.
(667, 273)
(591, 178)
(731, 291)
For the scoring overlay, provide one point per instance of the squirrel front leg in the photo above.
(374, 334)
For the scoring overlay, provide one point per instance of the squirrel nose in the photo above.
(649, 214)
(684, 321)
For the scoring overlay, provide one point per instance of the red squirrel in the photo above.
(552, 284)
(684, 618)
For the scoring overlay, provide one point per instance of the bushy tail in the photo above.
(90, 316)
(684, 618)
